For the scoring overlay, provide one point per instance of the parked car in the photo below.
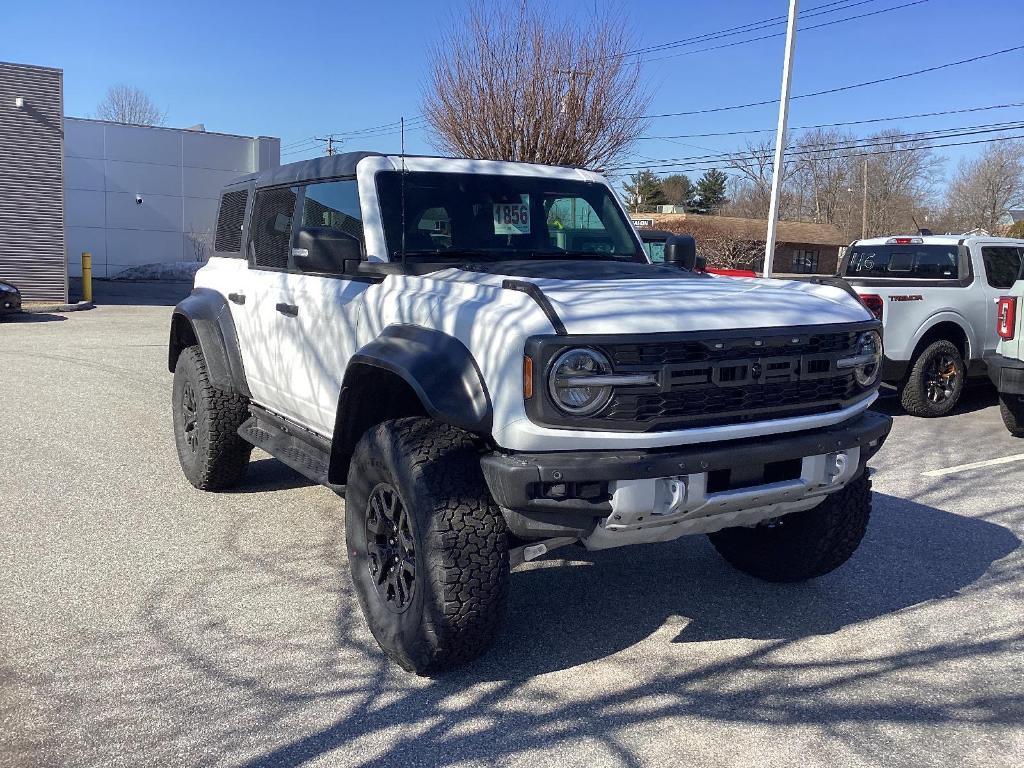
(1006, 367)
(936, 297)
(654, 246)
(10, 298)
(481, 359)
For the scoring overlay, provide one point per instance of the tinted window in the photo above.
(501, 217)
(334, 205)
(229, 221)
(928, 262)
(1001, 265)
(270, 233)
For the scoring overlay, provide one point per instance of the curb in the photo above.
(81, 305)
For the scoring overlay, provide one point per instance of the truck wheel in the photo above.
(206, 421)
(1011, 408)
(935, 381)
(426, 544)
(801, 545)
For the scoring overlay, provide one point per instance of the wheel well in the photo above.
(369, 396)
(183, 335)
(949, 331)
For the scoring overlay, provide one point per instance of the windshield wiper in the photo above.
(585, 255)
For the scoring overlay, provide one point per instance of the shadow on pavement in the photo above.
(132, 293)
(977, 395)
(236, 659)
(270, 475)
(33, 317)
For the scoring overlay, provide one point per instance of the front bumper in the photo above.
(565, 493)
(1007, 374)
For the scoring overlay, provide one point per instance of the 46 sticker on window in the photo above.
(512, 218)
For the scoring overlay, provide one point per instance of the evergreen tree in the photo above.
(711, 191)
(644, 188)
(679, 190)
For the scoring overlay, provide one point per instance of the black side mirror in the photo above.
(325, 249)
(681, 251)
(701, 265)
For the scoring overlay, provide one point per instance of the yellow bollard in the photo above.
(86, 276)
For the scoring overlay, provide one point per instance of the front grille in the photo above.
(716, 379)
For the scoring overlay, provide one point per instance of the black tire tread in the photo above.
(912, 394)
(816, 542)
(1011, 408)
(225, 460)
(466, 552)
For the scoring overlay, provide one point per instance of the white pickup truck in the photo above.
(936, 296)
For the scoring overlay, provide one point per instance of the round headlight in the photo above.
(568, 377)
(867, 374)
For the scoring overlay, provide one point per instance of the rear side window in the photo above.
(270, 232)
(925, 262)
(334, 205)
(229, 221)
(1001, 265)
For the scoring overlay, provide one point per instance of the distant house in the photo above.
(800, 247)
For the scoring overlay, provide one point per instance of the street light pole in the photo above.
(780, 139)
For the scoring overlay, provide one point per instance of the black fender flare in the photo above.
(439, 369)
(204, 317)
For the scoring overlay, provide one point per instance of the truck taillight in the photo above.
(1006, 317)
(874, 304)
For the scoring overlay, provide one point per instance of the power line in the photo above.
(839, 88)
(821, 146)
(741, 29)
(834, 125)
(780, 34)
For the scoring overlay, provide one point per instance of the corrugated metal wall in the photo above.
(32, 182)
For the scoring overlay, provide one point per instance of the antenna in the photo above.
(402, 128)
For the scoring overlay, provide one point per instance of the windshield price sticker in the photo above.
(512, 218)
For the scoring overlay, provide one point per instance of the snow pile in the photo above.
(169, 271)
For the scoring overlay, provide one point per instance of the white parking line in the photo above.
(973, 465)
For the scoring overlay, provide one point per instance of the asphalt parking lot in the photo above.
(143, 622)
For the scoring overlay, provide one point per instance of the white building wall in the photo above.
(179, 175)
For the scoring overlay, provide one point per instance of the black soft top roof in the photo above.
(343, 164)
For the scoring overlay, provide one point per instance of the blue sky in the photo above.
(302, 68)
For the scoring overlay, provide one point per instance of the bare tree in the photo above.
(717, 245)
(510, 84)
(822, 169)
(200, 240)
(751, 193)
(901, 179)
(983, 189)
(128, 104)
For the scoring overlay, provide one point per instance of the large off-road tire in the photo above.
(426, 544)
(801, 545)
(1011, 408)
(206, 421)
(935, 381)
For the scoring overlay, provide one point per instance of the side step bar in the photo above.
(305, 451)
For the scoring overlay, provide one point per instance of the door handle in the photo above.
(291, 310)
(238, 298)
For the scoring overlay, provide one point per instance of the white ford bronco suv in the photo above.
(936, 297)
(480, 358)
(1006, 366)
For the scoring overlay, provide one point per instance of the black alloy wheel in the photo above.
(390, 548)
(190, 416)
(941, 378)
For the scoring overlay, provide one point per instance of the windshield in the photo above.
(929, 262)
(467, 216)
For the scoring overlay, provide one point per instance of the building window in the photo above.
(805, 262)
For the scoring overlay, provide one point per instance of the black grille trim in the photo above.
(708, 379)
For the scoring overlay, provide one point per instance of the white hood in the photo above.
(687, 304)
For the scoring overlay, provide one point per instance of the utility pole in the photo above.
(864, 204)
(780, 138)
(328, 144)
